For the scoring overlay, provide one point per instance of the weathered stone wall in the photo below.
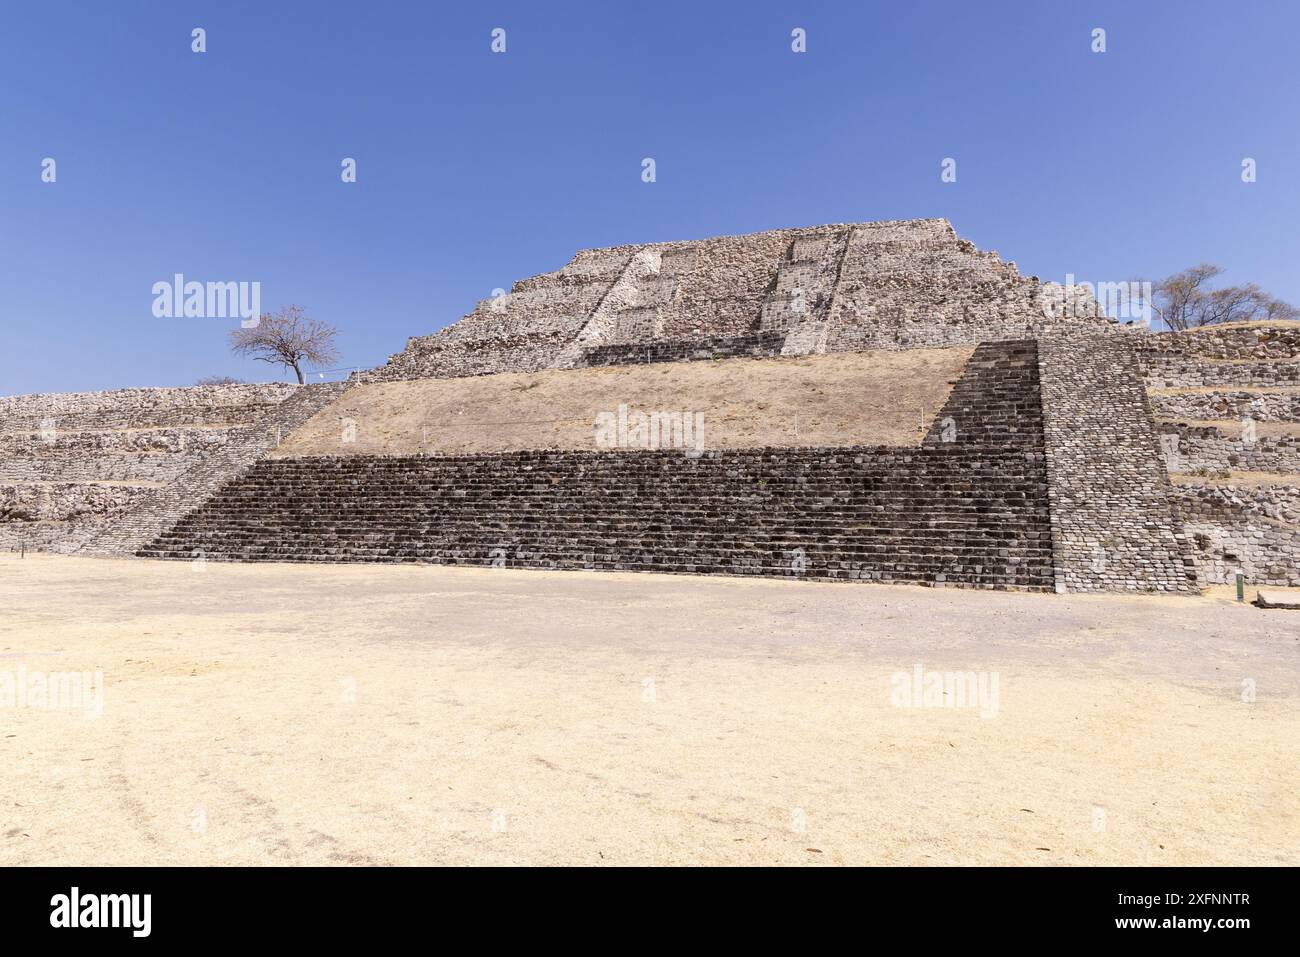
(66, 502)
(1226, 396)
(1227, 404)
(77, 467)
(129, 530)
(1113, 525)
(524, 331)
(1254, 530)
(1192, 448)
(1190, 372)
(138, 408)
(1276, 503)
(835, 288)
(74, 466)
(956, 514)
(997, 400)
(1251, 341)
(902, 285)
(752, 346)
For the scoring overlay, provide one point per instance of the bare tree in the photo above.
(1185, 301)
(289, 339)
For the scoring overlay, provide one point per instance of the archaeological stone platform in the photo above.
(883, 402)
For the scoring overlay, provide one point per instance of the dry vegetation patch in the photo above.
(868, 398)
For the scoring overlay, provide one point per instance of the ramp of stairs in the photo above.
(953, 514)
(970, 508)
(130, 532)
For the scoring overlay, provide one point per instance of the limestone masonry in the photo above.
(1068, 452)
(840, 288)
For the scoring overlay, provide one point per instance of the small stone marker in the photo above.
(1278, 599)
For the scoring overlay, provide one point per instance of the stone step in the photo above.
(966, 508)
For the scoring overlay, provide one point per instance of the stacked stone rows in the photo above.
(968, 508)
(72, 463)
(944, 515)
(996, 400)
(1214, 449)
(166, 505)
(1249, 526)
(753, 346)
(1113, 521)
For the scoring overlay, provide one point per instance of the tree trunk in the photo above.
(294, 366)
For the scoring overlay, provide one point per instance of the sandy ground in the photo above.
(865, 398)
(296, 714)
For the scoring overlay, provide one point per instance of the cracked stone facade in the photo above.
(836, 288)
(1228, 403)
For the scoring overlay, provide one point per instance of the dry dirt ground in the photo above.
(864, 398)
(298, 714)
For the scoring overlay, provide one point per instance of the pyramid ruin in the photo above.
(852, 402)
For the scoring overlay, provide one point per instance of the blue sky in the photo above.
(476, 169)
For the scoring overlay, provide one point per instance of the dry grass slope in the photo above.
(870, 398)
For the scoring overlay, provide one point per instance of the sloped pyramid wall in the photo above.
(967, 507)
(843, 287)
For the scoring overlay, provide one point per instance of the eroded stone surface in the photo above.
(835, 288)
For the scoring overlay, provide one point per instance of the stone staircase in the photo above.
(996, 400)
(967, 507)
(128, 532)
(944, 515)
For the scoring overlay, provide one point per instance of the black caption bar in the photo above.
(137, 906)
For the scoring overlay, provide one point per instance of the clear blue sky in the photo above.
(476, 169)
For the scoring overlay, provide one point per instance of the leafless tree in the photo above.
(1185, 301)
(289, 339)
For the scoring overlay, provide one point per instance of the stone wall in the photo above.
(66, 502)
(1113, 524)
(835, 288)
(1227, 398)
(1254, 530)
(1192, 372)
(949, 515)
(1249, 341)
(74, 466)
(753, 346)
(131, 529)
(1227, 403)
(1208, 448)
(997, 400)
(138, 408)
